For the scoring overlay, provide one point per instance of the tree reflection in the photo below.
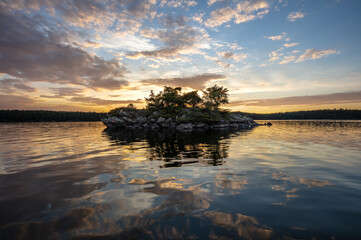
(176, 148)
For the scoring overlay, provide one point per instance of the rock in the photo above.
(155, 126)
(146, 125)
(233, 125)
(185, 127)
(269, 124)
(169, 120)
(141, 120)
(127, 119)
(152, 120)
(161, 120)
(165, 124)
(200, 125)
(156, 114)
(220, 126)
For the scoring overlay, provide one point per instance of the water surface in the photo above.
(294, 180)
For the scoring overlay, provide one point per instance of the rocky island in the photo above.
(172, 109)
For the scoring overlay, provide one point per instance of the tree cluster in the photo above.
(172, 100)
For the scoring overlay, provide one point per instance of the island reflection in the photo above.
(178, 148)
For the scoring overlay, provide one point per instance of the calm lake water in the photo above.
(294, 180)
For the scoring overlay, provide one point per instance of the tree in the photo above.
(215, 96)
(169, 100)
(192, 98)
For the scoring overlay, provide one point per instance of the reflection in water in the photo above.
(177, 149)
(294, 180)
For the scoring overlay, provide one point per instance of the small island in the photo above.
(185, 112)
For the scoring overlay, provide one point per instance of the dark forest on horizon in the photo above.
(64, 116)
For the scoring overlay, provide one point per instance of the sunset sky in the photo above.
(273, 55)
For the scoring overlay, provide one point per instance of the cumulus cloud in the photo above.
(220, 16)
(314, 54)
(33, 53)
(195, 82)
(250, 10)
(277, 37)
(333, 98)
(287, 45)
(178, 3)
(288, 59)
(243, 12)
(211, 2)
(294, 16)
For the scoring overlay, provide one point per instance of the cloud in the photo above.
(211, 2)
(173, 21)
(177, 41)
(294, 16)
(178, 3)
(11, 85)
(195, 82)
(224, 64)
(103, 102)
(250, 10)
(277, 37)
(333, 98)
(220, 16)
(237, 57)
(243, 12)
(32, 53)
(288, 59)
(287, 45)
(198, 17)
(64, 92)
(15, 102)
(314, 54)
(274, 55)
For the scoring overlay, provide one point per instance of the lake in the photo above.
(76, 180)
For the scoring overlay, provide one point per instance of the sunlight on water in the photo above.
(298, 179)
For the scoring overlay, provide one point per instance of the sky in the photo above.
(92, 55)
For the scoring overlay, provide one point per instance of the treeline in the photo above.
(314, 114)
(48, 116)
(62, 116)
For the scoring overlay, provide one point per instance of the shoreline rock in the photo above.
(137, 120)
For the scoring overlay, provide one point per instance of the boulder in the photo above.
(184, 127)
(161, 120)
(155, 126)
(200, 125)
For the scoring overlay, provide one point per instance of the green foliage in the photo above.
(115, 111)
(215, 96)
(192, 99)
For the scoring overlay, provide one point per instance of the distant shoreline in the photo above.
(64, 116)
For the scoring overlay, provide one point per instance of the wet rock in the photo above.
(155, 126)
(200, 125)
(161, 120)
(185, 127)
